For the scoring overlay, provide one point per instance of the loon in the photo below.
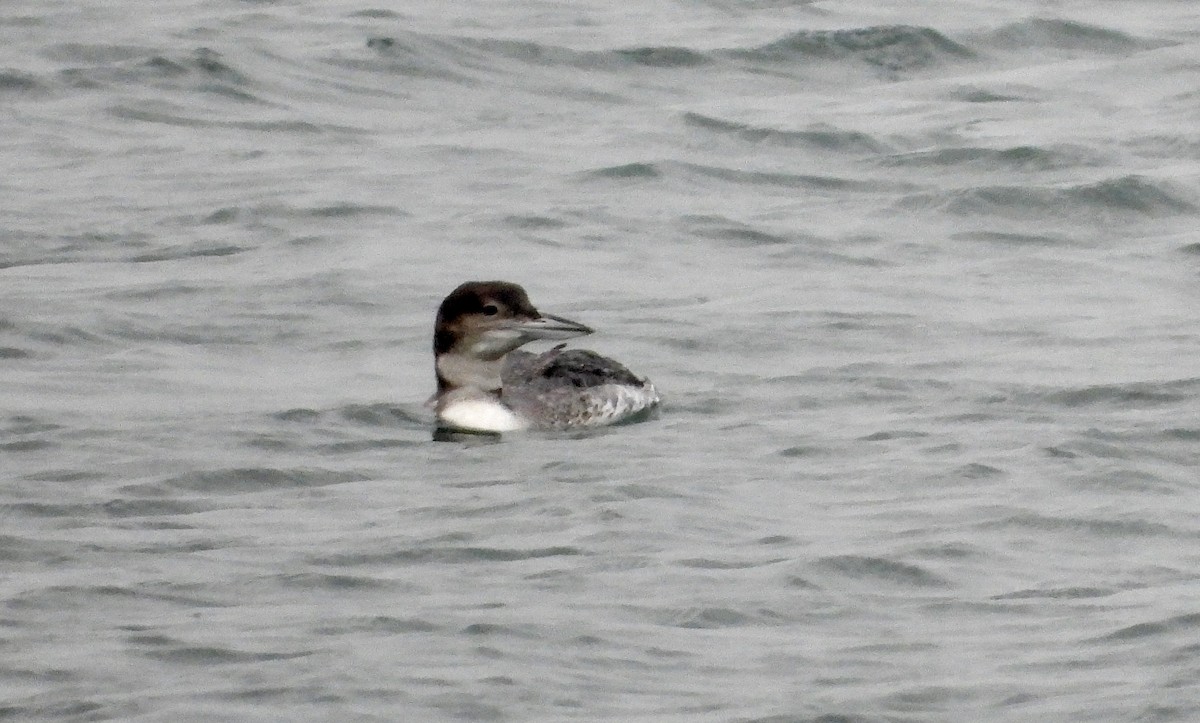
(485, 385)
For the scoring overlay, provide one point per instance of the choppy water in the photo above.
(919, 285)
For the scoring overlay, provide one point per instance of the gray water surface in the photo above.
(919, 286)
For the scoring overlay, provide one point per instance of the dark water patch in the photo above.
(1173, 626)
(172, 290)
(50, 510)
(297, 415)
(142, 507)
(19, 549)
(201, 69)
(354, 210)
(1127, 196)
(93, 53)
(254, 479)
(420, 57)
(246, 333)
(663, 57)
(27, 445)
(222, 216)
(210, 63)
(821, 137)
(1132, 193)
(1102, 528)
(81, 709)
(160, 113)
(639, 491)
(801, 583)
(803, 451)
(467, 706)
(107, 239)
(466, 58)
(1172, 146)
(474, 60)
(498, 629)
(382, 43)
(1059, 452)
(1182, 434)
(76, 597)
(976, 470)
(862, 321)
(488, 54)
(216, 655)
(20, 424)
(1057, 593)
(174, 545)
(1135, 395)
(384, 624)
(723, 229)
(483, 484)
(231, 93)
(159, 116)
(330, 581)
(705, 618)
(376, 14)
(974, 94)
(534, 222)
(187, 252)
(41, 675)
(15, 81)
(1022, 158)
(466, 438)
(627, 171)
(706, 563)
(382, 415)
(950, 551)
(890, 434)
(286, 126)
(172, 525)
(458, 511)
(365, 445)
(787, 245)
(62, 475)
(267, 695)
(820, 718)
(162, 66)
(1063, 35)
(1132, 480)
(448, 555)
(776, 540)
(1100, 446)
(1015, 240)
(881, 569)
(927, 698)
(778, 179)
(95, 246)
(151, 640)
(892, 48)
(271, 443)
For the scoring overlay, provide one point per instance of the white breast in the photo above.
(480, 415)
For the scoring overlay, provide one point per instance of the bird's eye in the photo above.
(491, 310)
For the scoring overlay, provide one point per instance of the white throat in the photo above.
(465, 371)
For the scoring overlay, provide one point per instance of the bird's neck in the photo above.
(456, 371)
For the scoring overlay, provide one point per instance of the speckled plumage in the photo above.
(565, 388)
(486, 385)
